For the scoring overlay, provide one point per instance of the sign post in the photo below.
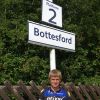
(52, 14)
(52, 55)
(54, 38)
(52, 59)
(51, 37)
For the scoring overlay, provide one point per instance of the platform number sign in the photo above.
(51, 13)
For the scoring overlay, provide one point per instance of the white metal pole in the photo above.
(52, 59)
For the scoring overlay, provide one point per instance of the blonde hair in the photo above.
(55, 73)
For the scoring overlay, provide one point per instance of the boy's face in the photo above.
(55, 81)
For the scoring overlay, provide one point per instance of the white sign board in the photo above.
(51, 37)
(51, 13)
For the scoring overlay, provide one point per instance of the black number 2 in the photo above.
(51, 19)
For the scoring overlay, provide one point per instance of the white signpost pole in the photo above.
(52, 56)
(57, 20)
(52, 59)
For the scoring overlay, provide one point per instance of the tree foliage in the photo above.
(21, 60)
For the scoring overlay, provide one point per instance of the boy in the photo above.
(55, 91)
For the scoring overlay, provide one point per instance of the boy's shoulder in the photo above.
(45, 89)
(61, 89)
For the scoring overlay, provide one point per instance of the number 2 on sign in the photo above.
(51, 19)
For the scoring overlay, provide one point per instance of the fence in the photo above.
(32, 92)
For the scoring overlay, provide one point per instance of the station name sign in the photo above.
(51, 37)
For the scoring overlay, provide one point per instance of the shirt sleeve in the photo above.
(41, 97)
(67, 94)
